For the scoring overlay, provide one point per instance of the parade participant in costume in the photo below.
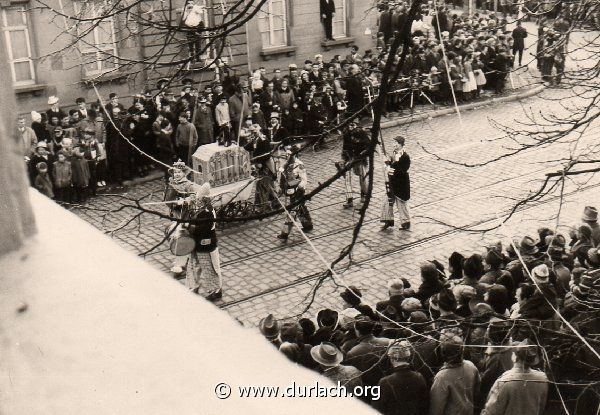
(293, 181)
(204, 266)
(265, 171)
(355, 144)
(276, 133)
(177, 195)
(399, 180)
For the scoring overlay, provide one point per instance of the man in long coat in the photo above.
(204, 123)
(399, 180)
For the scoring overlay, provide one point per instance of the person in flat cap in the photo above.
(398, 186)
(404, 391)
(204, 263)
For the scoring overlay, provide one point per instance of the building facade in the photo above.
(289, 31)
(42, 64)
(31, 35)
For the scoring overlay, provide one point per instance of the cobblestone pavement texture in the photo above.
(449, 204)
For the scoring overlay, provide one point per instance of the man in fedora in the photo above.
(393, 305)
(269, 327)
(329, 358)
(404, 392)
(590, 217)
(328, 330)
(529, 253)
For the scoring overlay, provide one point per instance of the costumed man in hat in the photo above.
(293, 180)
(204, 266)
(276, 133)
(399, 184)
(177, 196)
(354, 147)
(264, 167)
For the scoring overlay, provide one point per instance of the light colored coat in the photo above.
(518, 392)
(27, 140)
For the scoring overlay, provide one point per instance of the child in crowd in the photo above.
(80, 173)
(42, 180)
(61, 171)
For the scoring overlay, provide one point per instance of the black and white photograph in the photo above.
(300, 207)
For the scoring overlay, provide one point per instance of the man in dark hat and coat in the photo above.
(269, 327)
(204, 123)
(399, 179)
(590, 218)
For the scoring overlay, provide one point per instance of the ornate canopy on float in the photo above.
(226, 169)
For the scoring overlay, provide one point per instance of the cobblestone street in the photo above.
(262, 274)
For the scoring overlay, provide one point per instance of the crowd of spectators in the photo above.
(71, 154)
(480, 334)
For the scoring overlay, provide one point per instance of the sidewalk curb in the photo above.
(438, 113)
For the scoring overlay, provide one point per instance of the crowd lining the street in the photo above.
(84, 149)
(480, 335)
(456, 344)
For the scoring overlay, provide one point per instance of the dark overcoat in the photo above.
(399, 177)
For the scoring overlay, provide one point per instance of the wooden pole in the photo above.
(16, 217)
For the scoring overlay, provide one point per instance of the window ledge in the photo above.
(26, 89)
(119, 76)
(342, 41)
(281, 50)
